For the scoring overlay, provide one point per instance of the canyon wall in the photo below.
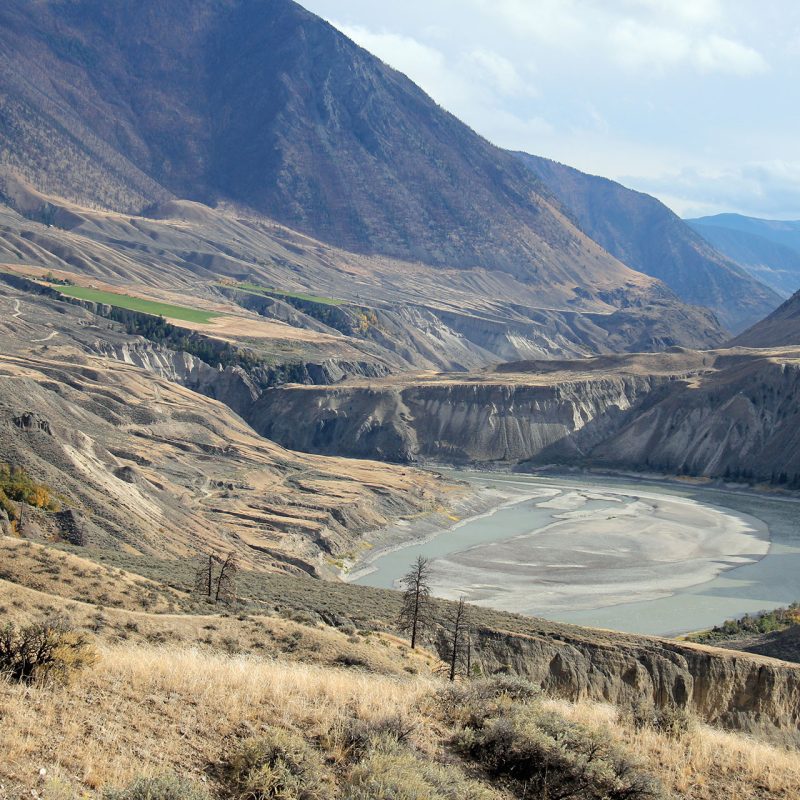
(737, 691)
(732, 414)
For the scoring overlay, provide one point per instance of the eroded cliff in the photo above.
(737, 691)
(731, 413)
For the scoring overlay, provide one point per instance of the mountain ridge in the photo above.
(266, 107)
(644, 234)
(318, 161)
(779, 329)
(768, 249)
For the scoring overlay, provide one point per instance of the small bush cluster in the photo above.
(358, 737)
(541, 755)
(45, 652)
(160, 787)
(276, 764)
(393, 772)
(671, 720)
(468, 703)
(501, 726)
(777, 619)
(17, 486)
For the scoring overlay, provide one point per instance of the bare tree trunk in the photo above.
(204, 577)
(415, 623)
(459, 625)
(226, 582)
(416, 596)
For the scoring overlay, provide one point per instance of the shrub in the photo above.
(43, 652)
(162, 787)
(671, 720)
(17, 485)
(395, 773)
(471, 703)
(276, 764)
(360, 736)
(542, 755)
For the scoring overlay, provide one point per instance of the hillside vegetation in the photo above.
(177, 705)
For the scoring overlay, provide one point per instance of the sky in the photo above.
(694, 101)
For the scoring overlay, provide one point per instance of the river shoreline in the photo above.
(668, 539)
(478, 504)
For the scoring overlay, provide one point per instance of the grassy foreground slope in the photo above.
(213, 702)
(146, 711)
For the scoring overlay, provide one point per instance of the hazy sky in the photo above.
(695, 101)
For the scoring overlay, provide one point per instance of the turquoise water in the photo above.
(770, 582)
(505, 523)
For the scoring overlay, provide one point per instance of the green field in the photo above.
(309, 298)
(138, 304)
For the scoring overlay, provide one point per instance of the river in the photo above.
(632, 555)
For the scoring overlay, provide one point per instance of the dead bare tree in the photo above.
(459, 636)
(415, 612)
(204, 576)
(226, 582)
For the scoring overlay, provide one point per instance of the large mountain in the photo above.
(260, 105)
(266, 105)
(768, 249)
(644, 234)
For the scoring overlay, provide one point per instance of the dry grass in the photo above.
(177, 692)
(705, 763)
(71, 577)
(146, 710)
(224, 632)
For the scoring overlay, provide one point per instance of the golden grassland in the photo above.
(175, 692)
(144, 710)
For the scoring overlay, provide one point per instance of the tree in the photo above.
(226, 582)
(216, 585)
(415, 612)
(204, 577)
(460, 638)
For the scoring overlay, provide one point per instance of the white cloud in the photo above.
(500, 72)
(718, 54)
(637, 45)
(761, 188)
(633, 33)
(687, 11)
(548, 20)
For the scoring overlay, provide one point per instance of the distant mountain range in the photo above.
(768, 249)
(644, 234)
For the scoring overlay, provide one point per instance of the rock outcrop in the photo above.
(757, 695)
(720, 413)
